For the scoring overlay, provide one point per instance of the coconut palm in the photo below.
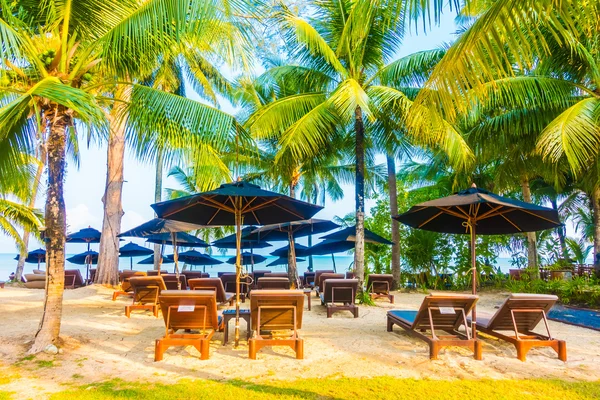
(63, 60)
(339, 54)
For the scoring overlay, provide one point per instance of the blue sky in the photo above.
(84, 187)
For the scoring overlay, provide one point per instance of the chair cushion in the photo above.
(406, 315)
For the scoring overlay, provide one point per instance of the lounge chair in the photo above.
(188, 310)
(146, 290)
(195, 274)
(171, 281)
(379, 285)
(276, 310)
(73, 279)
(309, 280)
(439, 313)
(126, 289)
(318, 274)
(320, 278)
(273, 283)
(214, 284)
(339, 295)
(228, 280)
(259, 273)
(521, 313)
(276, 275)
(35, 281)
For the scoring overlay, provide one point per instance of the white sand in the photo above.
(100, 343)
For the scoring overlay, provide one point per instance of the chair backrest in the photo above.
(446, 311)
(319, 279)
(527, 309)
(321, 272)
(350, 275)
(92, 274)
(309, 278)
(214, 284)
(154, 272)
(195, 274)
(78, 278)
(273, 283)
(277, 309)
(339, 290)
(171, 281)
(228, 280)
(276, 275)
(380, 283)
(189, 309)
(146, 289)
(259, 273)
(125, 276)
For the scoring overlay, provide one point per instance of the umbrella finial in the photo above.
(473, 185)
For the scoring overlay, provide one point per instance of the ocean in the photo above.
(8, 265)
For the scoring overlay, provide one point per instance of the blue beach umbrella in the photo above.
(133, 250)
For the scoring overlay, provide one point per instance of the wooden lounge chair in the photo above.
(379, 285)
(276, 275)
(228, 280)
(339, 295)
(276, 310)
(437, 313)
(309, 280)
(258, 273)
(73, 279)
(126, 289)
(318, 273)
(146, 290)
(188, 310)
(154, 272)
(171, 281)
(521, 313)
(195, 274)
(273, 283)
(214, 284)
(320, 278)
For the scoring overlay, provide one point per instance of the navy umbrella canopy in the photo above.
(194, 257)
(300, 250)
(248, 258)
(159, 225)
(331, 247)
(275, 232)
(150, 260)
(229, 242)
(133, 250)
(87, 257)
(183, 239)
(282, 261)
(237, 203)
(35, 256)
(85, 235)
(349, 234)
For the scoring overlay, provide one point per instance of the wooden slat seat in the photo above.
(146, 290)
(214, 284)
(339, 295)
(273, 283)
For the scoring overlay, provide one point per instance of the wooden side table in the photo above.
(308, 293)
(230, 314)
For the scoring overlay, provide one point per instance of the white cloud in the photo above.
(80, 217)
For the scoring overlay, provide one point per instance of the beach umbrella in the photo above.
(85, 258)
(133, 250)
(150, 260)
(290, 230)
(331, 247)
(35, 257)
(476, 211)
(159, 225)
(238, 203)
(349, 234)
(86, 235)
(194, 257)
(282, 261)
(300, 251)
(176, 239)
(230, 242)
(248, 258)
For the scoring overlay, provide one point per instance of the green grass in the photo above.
(331, 389)
(45, 364)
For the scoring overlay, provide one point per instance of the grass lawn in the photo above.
(378, 388)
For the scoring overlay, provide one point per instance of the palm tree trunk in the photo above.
(596, 216)
(108, 257)
(531, 237)
(34, 191)
(158, 198)
(391, 167)
(56, 225)
(359, 249)
(560, 231)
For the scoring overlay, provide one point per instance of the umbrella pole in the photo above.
(238, 270)
(87, 267)
(252, 260)
(333, 260)
(292, 261)
(160, 260)
(175, 258)
(474, 278)
(131, 263)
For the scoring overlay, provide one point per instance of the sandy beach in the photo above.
(100, 343)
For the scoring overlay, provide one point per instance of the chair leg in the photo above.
(355, 312)
(478, 350)
(390, 325)
(300, 349)
(114, 296)
(158, 350)
(522, 350)
(128, 311)
(562, 350)
(252, 349)
(434, 349)
(155, 310)
(204, 347)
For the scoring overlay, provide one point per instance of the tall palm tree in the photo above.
(64, 57)
(339, 53)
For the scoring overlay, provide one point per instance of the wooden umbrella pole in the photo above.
(160, 260)
(474, 278)
(238, 270)
(175, 258)
(333, 261)
(293, 275)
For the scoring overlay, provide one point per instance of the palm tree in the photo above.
(339, 53)
(64, 58)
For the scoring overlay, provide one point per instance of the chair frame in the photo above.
(386, 295)
(138, 295)
(436, 341)
(333, 307)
